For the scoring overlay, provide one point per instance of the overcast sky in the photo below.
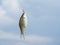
(43, 22)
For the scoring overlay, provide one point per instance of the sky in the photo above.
(43, 22)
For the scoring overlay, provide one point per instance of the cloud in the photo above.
(38, 39)
(11, 5)
(8, 36)
(28, 38)
(12, 8)
(20, 43)
(2, 11)
(4, 20)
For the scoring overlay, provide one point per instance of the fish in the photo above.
(23, 24)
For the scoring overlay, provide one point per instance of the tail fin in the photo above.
(22, 35)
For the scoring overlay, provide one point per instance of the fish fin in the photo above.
(22, 35)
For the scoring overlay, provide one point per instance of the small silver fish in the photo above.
(23, 23)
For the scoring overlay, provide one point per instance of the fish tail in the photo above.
(22, 35)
